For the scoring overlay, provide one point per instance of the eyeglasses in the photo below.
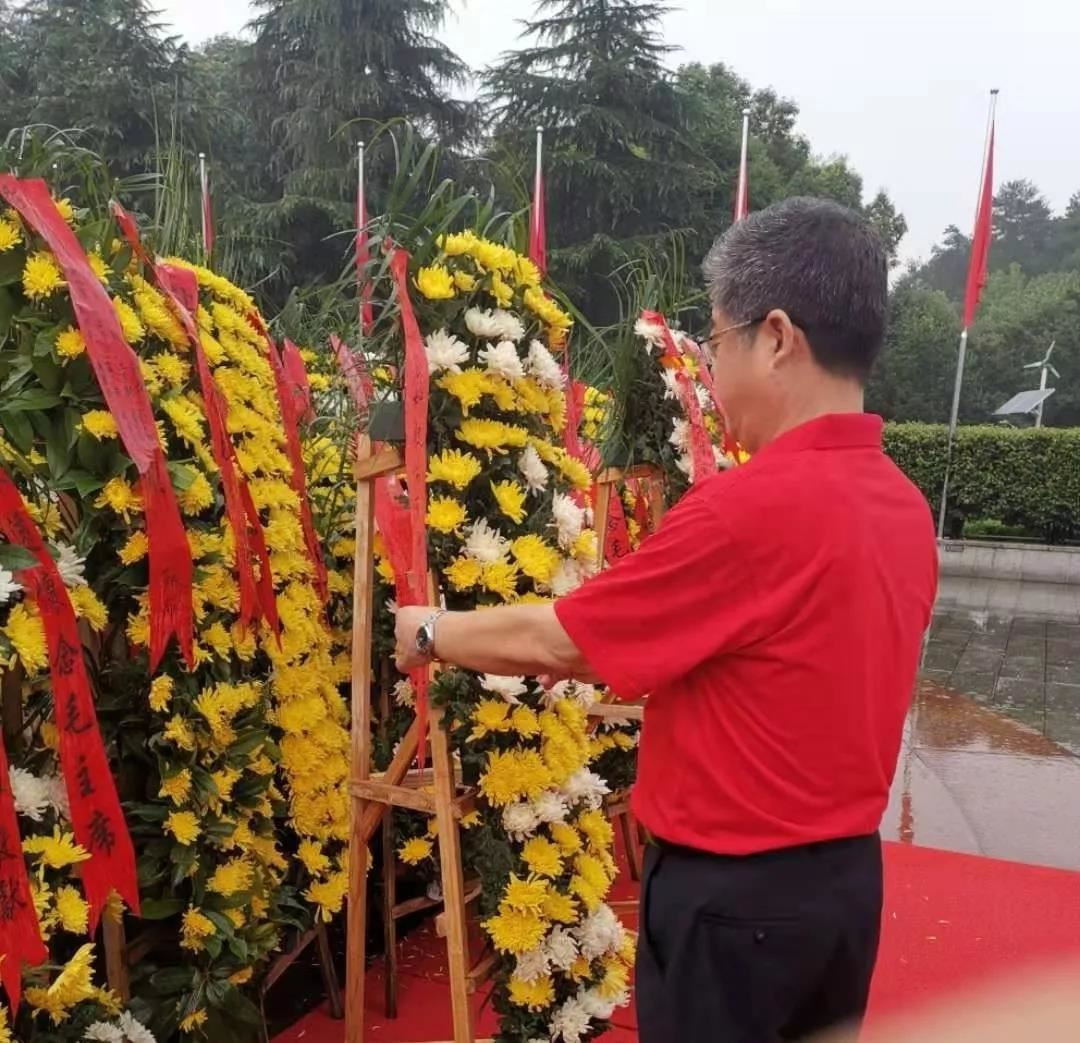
(712, 341)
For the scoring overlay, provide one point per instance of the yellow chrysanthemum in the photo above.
(596, 829)
(41, 276)
(445, 514)
(616, 979)
(312, 857)
(516, 932)
(26, 633)
(536, 995)
(525, 896)
(492, 436)
(584, 548)
(161, 693)
(435, 283)
(176, 787)
(195, 928)
(57, 851)
(231, 878)
(100, 423)
(99, 266)
(65, 210)
(415, 850)
(457, 244)
(329, 895)
(178, 733)
(468, 387)
(70, 343)
(184, 826)
(536, 558)
(514, 775)
(525, 721)
(72, 985)
(72, 910)
(568, 838)
(187, 419)
(503, 293)
(463, 573)
(197, 497)
(510, 498)
(10, 236)
(120, 496)
(490, 715)
(242, 977)
(130, 325)
(193, 1021)
(88, 606)
(500, 577)
(542, 857)
(464, 281)
(454, 467)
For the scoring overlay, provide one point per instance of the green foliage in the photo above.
(1027, 479)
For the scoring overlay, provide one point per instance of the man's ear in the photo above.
(782, 337)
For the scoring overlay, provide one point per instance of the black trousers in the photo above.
(761, 949)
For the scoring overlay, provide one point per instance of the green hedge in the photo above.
(1021, 477)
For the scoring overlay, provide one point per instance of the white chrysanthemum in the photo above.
(520, 820)
(584, 694)
(434, 891)
(485, 544)
(506, 688)
(543, 366)
(600, 933)
(32, 794)
(571, 1021)
(551, 806)
(510, 326)
(703, 397)
(533, 470)
(585, 787)
(404, 693)
(70, 566)
(599, 1008)
(502, 360)
(653, 332)
(723, 461)
(685, 463)
(391, 606)
(560, 949)
(567, 578)
(671, 384)
(103, 1032)
(8, 586)
(135, 1031)
(58, 796)
(680, 435)
(445, 352)
(494, 325)
(532, 964)
(569, 519)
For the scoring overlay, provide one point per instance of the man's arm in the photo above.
(514, 640)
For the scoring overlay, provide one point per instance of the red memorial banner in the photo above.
(416, 422)
(180, 289)
(96, 816)
(116, 368)
(20, 934)
(297, 379)
(616, 532)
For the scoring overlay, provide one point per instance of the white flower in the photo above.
(58, 796)
(533, 470)
(680, 435)
(404, 694)
(551, 806)
(571, 1021)
(494, 325)
(600, 933)
(703, 397)
(560, 949)
(671, 384)
(585, 787)
(507, 688)
(567, 578)
(685, 463)
(520, 820)
(532, 964)
(653, 332)
(445, 351)
(135, 1031)
(32, 795)
(70, 566)
(543, 366)
(485, 544)
(503, 360)
(569, 519)
(103, 1032)
(585, 694)
(391, 606)
(600, 1008)
(723, 461)
(434, 891)
(8, 586)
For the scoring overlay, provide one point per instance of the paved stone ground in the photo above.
(1027, 669)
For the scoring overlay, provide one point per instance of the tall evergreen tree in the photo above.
(620, 170)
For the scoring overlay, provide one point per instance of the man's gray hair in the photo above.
(819, 262)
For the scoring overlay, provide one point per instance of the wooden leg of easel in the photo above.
(389, 890)
(116, 964)
(453, 882)
(329, 974)
(633, 853)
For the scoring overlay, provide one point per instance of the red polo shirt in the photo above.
(775, 622)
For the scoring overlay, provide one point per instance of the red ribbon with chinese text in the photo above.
(354, 369)
(296, 377)
(116, 368)
(729, 446)
(96, 817)
(416, 423)
(616, 532)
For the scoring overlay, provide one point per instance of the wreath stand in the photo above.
(372, 796)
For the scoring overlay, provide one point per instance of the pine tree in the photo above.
(620, 173)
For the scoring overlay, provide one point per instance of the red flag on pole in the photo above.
(538, 217)
(363, 250)
(207, 212)
(980, 241)
(742, 193)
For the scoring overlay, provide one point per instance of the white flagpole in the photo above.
(204, 185)
(361, 207)
(741, 200)
(962, 353)
(537, 180)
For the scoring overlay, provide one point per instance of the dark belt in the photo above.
(818, 845)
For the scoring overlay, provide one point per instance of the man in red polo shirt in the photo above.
(775, 622)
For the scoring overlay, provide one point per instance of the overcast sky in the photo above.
(901, 91)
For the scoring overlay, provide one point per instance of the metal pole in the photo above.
(742, 203)
(534, 217)
(361, 216)
(204, 186)
(1042, 387)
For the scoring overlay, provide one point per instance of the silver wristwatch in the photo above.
(425, 636)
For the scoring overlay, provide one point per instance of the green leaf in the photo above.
(13, 558)
(171, 980)
(221, 922)
(161, 909)
(10, 269)
(7, 310)
(32, 399)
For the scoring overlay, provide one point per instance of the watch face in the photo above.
(423, 640)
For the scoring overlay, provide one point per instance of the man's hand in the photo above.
(409, 621)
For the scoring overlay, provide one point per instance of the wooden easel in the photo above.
(372, 796)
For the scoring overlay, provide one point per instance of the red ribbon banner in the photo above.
(297, 379)
(20, 935)
(96, 817)
(181, 291)
(290, 422)
(616, 532)
(416, 421)
(729, 446)
(116, 368)
(354, 369)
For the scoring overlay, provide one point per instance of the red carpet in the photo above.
(951, 921)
